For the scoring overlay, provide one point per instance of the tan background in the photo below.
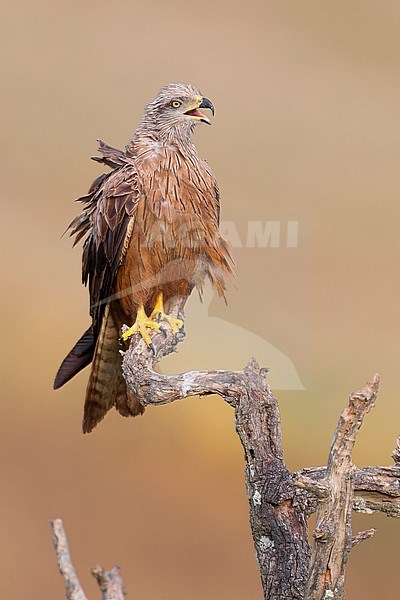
(307, 128)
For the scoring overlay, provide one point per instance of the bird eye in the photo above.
(176, 103)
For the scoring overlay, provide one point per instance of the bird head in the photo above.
(176, 110)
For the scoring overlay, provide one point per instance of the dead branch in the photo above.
(396, 452)
(362, 535)
(72, 585)
(332, 534)
(278, 526)
(281, 501)
(109, 582)
(376, 489)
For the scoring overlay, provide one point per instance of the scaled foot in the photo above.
(142, 323)
(158, 312)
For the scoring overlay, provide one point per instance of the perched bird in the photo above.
(152, 234)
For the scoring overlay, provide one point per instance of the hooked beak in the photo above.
(197, 115)
(206, 103)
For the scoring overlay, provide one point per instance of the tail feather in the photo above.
(126, 402)
(102, 385)
(77, 359)
(106, 387)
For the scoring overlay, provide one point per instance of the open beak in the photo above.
(197, 115)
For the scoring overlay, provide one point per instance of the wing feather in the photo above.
(106, 220)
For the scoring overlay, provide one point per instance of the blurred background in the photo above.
(307, 130)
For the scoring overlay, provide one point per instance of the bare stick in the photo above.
(316, 487)
(72, 586)
(332, 535)
(362, 535)
(375, 489)
(396, 452)
(110, 583)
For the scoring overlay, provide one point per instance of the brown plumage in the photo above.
(152, 226)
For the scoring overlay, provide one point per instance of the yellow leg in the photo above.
(140, 326)
(158, 311)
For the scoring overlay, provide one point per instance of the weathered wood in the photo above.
(278, 527)
(362, 536)
(279, 501)
(376, 489)
(396, 452)
(332, 534)
(278, 507)
(73, 588)
(109, 582)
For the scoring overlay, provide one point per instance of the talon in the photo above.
(142, 323)
(158, 312)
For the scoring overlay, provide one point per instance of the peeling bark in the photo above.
(333, 538)
(280, 501)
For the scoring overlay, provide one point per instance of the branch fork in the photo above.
(279, 501)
